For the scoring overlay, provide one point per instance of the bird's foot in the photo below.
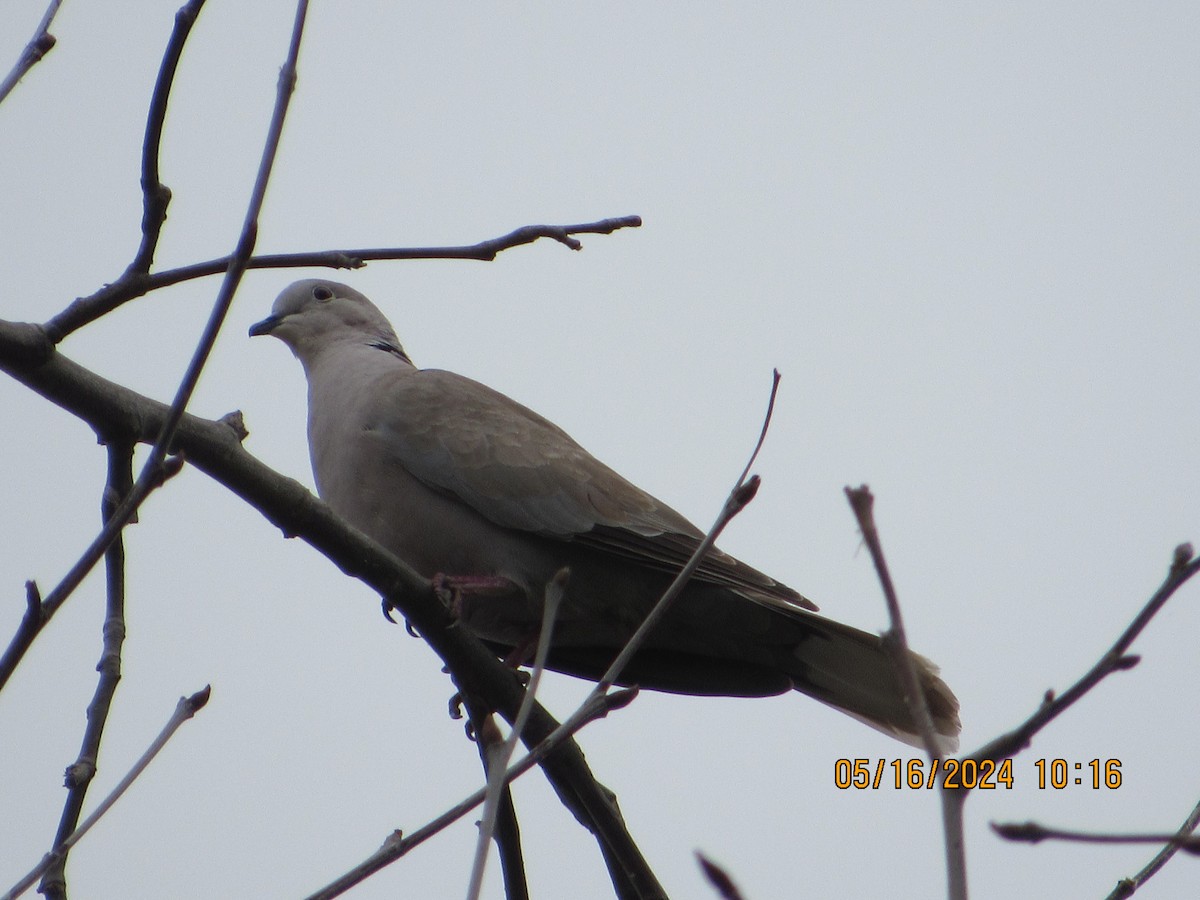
(457, 701)
(453, 589)
(522, 654)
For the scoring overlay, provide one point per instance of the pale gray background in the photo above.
(964, 233)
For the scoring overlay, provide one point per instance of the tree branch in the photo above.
(1183, 567)
(742, 493)
(156, 196)
(80, 774)
(152, 471)
(718, 878)
(215, 448)
(184, 710)
(497, 754)
(895, 642)
(1033, 833)
(506, 831)
(631, 886)
(39, 45)
(39, 611)
(1126, 887)
(132, 285)
(245, 245)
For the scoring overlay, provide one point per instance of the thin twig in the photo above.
(954, 836)
(487, 737)
(1033, 833)
(742, 493)
(215, 447)
(39, 45)
(598, 702)
(152, 470)
(1183, 566)
(184, 710)
(499, 759)
(718, 878)
(132, 284)
(156, 196)
(245, 243)
(38, 611)
(81, 772)
(1126, 887)
(895, 642)
(398, 845)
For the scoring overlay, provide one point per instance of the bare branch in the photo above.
(245, 243)
(954, 836)
(215, 448)
(399, 845)
(33, 622)
(39, 45)
(718, 878)
(1126, 887)
(184, 710)
(27, 631)
(156, 196)
(1183, 567)
(132, 284)
(895, 642)
(508, 831)
(1033, 833)
(152, 472)
(599, 702)
(80, 773)
(498, 762)
(742, 493)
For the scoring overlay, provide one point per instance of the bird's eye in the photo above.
(322, 293)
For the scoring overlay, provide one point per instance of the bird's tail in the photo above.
(850, 670)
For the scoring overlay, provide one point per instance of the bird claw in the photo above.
(387, 607)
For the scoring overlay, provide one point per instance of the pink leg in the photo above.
(523, 653)
(473, 584)
(454, 589)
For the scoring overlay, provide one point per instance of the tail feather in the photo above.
(849, 670)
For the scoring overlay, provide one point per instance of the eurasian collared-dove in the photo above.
(462, 482)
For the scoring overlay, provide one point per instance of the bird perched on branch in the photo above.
(472, 488)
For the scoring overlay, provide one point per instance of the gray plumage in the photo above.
(460, 480)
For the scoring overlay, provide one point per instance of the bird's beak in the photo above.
(266, 326)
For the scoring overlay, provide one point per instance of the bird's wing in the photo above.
(521, 471)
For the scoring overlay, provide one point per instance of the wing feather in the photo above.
(521, 471)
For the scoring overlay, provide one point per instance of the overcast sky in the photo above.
(965, 234)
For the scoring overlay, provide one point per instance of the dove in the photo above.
(483, 495)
